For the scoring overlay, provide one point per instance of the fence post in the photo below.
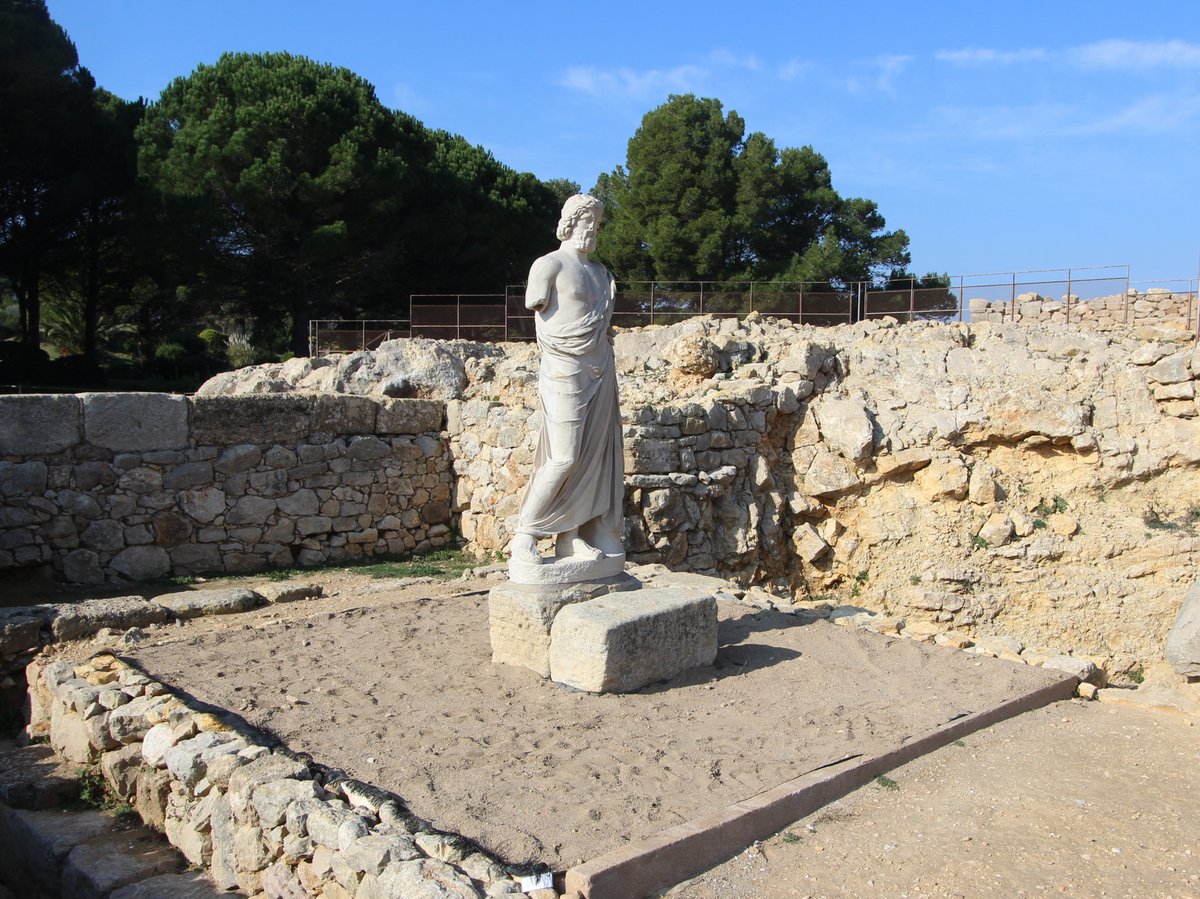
(912, 299)
(1068, 296)
(1013, 314)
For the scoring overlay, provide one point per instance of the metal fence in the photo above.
(496, 317)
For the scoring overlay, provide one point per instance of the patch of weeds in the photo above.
(914, 579)
(1055, 507)
(94, 792)
(958, 743)
(1137, 675)
(180, 580)
(1039, 523)
(886, 782)
(1194, 513)
(855, 591)
(862, 576)
(789, 837)
(441, 563)
(1153, 522)
(823, 597)
(978, 542)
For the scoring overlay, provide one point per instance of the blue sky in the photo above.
(1023, 135)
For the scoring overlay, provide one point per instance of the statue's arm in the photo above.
(541, 283)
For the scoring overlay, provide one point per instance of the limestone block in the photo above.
(263, 418)
(20, 629)
(845, 426)
(39, 423)
(520, 616)
(997, 530)
(620, 643)
(22, 479)
(135, 422)
(37, 844)
(342, 414)
(421, 879)
(271, 799)
(651, 456)
(197, 603)
(408, 416)
(808, 543)
(192, 885)
(72, 621)
(829, 475)
(1183, 641)
(141, 563)
(983, 489)
(943, 480)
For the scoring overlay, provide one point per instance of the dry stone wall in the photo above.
(1157, 305)
(131, 487)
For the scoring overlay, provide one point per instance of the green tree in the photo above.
(46, 98)
(698, 199)
(307, 169)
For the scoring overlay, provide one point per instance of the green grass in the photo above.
(958, 743)
(914, 579)
(1057, 506)
(789, 837)
(886, 782)
(441, 563)
(978, 542)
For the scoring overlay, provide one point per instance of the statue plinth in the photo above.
(568, 570)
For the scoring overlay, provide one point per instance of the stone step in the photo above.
(33, 777)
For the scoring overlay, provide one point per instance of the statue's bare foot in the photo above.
(605, 540)
(573, 546)
(523, 548)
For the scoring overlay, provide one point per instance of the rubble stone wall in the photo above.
(1154, 306)
(255, 816)
(136, 486)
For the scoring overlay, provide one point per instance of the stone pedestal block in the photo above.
(520, 616)
(617, 644)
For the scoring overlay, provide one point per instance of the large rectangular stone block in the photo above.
(38, 423)
(408, 416)
(520, 617)
(616, 644)
(256, 418)
(135, 422)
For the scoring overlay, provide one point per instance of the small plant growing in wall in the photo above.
(978, 542)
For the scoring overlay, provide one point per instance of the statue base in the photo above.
(568, 570)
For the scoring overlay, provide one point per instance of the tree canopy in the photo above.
(699, 199)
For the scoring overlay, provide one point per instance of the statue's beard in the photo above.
(584, 242)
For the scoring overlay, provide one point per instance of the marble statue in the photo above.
(577, 489)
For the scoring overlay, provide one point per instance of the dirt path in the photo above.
(394, 684)
(1077, 799)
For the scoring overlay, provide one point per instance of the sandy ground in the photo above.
(1077, 799)
(394, 684)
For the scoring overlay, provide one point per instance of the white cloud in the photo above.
(884, 70)
(1123, 54)
(985, 56)
(1153, 115)
(591, 80)
(722, 57)
(795, 69)
(1114, 53)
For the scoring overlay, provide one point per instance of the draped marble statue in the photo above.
(577, 489)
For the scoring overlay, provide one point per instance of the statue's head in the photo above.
(581, 218)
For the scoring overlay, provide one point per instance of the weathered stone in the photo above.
(845, 426)
(203, 504)
(261, 770)
(408, 416)
(104, 535)
(1080, 668)
(943, 480)
(520, 616)
(226, 420)
(808, 543)
(997, 530)
(1063, 525)
(38, 423)
(38, 843)
(424, 879)
(250, 510)
(372, 853)
(193, 885)
(82, 619)
(620, 644)
(829, 475)
(20, 629)
(141, 563)
(271, 799)
(1183, 640)
(135, 422)
(22, 479)
(132, 721)
(198, 603)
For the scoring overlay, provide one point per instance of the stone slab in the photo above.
(520, 616)
(117, 859)
(645, 867)
(197, 603)
(39, 423)
(1183, 641)
(565, 571)
(83, 619)
(617, 644)
(135, 422)
(192, 885)
(37, 843)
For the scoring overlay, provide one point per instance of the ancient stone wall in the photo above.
(130, 487)
(1033, 481)
(1157, 306)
